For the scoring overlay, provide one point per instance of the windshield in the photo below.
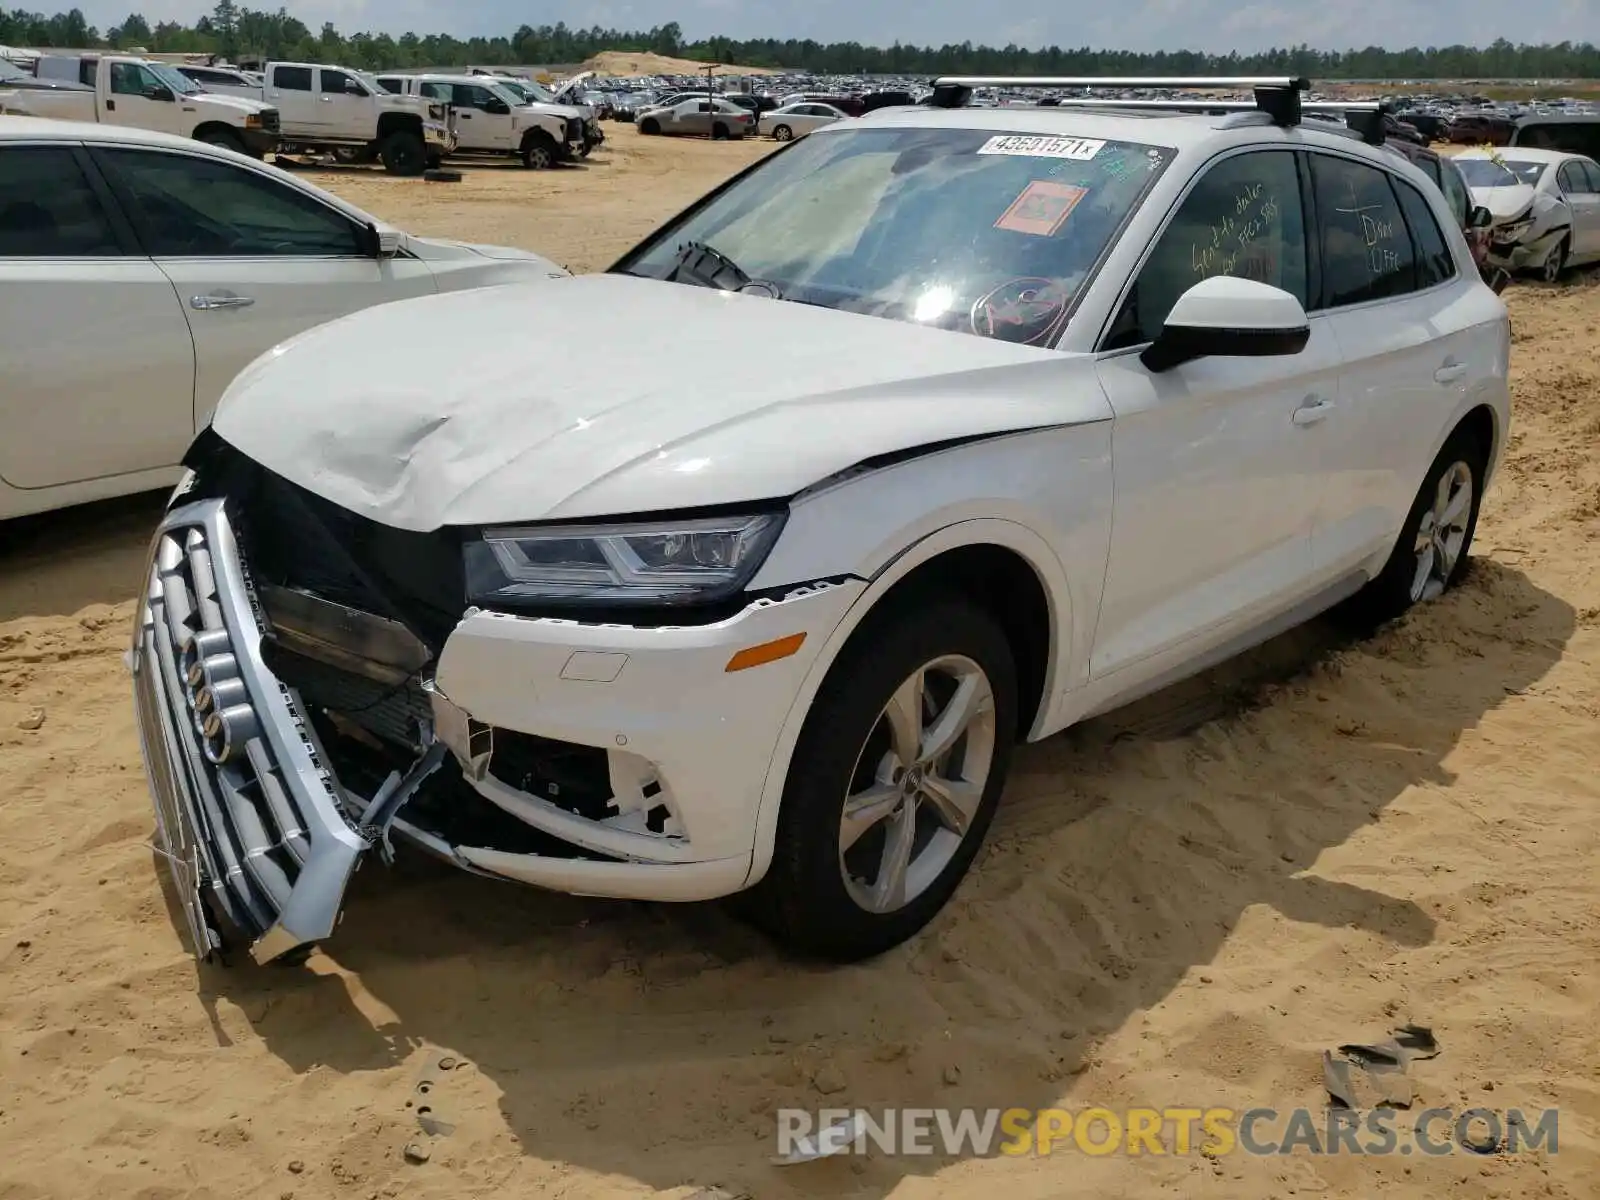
(180, 83)
(373, 86)
(962, 229)
(11, 73)
(1490, 173)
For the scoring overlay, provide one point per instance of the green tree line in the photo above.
(232, 30)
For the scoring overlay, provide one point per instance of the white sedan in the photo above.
(140, 272)
(798, 119)
(1015, 414)
(1545, 203)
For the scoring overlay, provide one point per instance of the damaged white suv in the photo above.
(934, 431)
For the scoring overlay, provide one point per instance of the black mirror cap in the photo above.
(1179, 344)
(1481, 217)
(163, 94)
(371, 243)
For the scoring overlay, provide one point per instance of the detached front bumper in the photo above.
(633, 759)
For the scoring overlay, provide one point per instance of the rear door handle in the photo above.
(1450, 372)
(1313, 410)
(207, 303)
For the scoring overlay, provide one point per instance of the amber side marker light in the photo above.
(766, 652)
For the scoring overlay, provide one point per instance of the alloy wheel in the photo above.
(918, 784)
(1442, 533)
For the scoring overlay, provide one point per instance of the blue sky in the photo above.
(1213, 25)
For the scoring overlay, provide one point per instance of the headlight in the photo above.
(668, 562)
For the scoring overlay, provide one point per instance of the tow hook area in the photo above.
(380, 812)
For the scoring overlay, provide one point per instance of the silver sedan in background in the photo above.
(798, 119)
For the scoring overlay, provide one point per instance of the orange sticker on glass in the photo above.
(1042, 208)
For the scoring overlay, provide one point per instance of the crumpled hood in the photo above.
(1506, 203)
(606, 394)
(433, 249)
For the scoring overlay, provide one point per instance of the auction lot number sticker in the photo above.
(1034, 146)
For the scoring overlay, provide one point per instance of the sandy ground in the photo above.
(1182, 905)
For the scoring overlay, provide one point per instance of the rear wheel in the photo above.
(719, 131)
(404, 154)
(893, 783)
(1431, 553)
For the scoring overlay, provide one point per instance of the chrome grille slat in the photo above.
(250, 824)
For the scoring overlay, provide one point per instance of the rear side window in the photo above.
(1435, 264)
(1592, 173)
(1366, 249)
(48, 210)
(292, 79)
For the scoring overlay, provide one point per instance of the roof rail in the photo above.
(1365, 117)
(1276, 95)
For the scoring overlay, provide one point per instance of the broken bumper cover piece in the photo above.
(247, 817)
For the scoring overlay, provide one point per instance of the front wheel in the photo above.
(893, 783)
(224, 138)
(719, 132)
(404, 154)
(650, 125)
(783, 134)
(539, 153)
(1431, 553)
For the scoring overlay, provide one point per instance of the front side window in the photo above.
(47, 209)
(132, 79)
(1243, 218)
(1366, 247)
(961, 229)
(469, 95)
(337, 83)
(186, 206)
(1456, 193)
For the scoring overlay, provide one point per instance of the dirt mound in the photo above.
(627, 62)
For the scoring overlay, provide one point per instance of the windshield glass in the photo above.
(1488, 173)
(11, 73)
(962, 229)
(181, 84)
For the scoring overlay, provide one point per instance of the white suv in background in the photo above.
(1015, 414)
(140, 272)
(492, 119)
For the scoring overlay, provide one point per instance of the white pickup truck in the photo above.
(493, 120)
(122, 90)
(338, 109)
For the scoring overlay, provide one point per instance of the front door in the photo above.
(96, 365)
(479, 127)
(136, 97)
(344, 104)
(1216, 461)
(255, 260)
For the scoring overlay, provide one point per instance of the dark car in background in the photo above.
(1477, 129)
(1572, 134)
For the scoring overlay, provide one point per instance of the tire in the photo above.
(1555, 263)
(435, 161)
(650, 125)
(437, 175)
(224, 138)
(719, 132)
(538, 152)
(782, 133)
(1403, 582)
(805, 901)
(404, 154)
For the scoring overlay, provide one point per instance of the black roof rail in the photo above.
(1279, 96)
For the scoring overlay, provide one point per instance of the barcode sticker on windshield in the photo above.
(1031, 146)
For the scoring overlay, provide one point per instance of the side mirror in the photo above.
(1229, 317)
(159, 92)
(1480, 217)
(379, 242)
(497, 108)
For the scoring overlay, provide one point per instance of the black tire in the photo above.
(650, 125)
(1553, 267)
(435, 161)
(719, 132)
(1394, 590)
(539, 151)
(782, 133)
(803, 900)
(404, 154)
(436, 175)
(225, 138)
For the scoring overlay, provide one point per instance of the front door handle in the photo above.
(208, 303)
(1313, 410)
(1450, 372)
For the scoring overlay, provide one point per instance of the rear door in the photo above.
(96, 364)
(289, 90)
(1410, 325)
(255, 260)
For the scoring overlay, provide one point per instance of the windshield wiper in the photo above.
(701, 263)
